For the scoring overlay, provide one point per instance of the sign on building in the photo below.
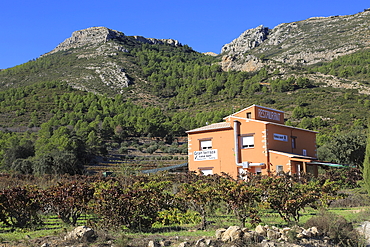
(279, 137)
(206, 155)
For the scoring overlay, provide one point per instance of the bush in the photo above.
(175, 216)
(353, 198)
(336, 227)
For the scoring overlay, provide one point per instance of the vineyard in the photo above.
(146, 203)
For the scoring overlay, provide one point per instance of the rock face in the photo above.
(97, 35)
(248, 40)
(153, 41)
(88, 36)
(303, 42)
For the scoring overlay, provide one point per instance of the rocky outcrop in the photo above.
(247, 63)
(303, 42)
(88, 36)
(153, 41)
(112, 76)
(246, 41)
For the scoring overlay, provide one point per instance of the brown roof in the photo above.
(211, 127)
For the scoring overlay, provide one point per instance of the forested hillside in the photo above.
(64, 108)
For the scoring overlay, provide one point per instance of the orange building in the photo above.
(254, 139)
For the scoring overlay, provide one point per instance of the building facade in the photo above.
(254, 139)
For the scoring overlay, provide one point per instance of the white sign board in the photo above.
(210, 154)
(279, 137)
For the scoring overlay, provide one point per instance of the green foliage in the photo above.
(366, 164)
(354, 66)
(345, 148)
(174, 216)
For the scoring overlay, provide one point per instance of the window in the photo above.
(294, 143)
(249, 115)
(248, 141)
(304, 152)
(206, 172)
(205, 144)
(279, 169)
(258, 170)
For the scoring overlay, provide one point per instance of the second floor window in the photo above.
(248, 141)
(294, 143)
(206, 144)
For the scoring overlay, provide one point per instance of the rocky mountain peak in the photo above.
(98, 35)
(247, 40)
(92, 35)
(317, 39)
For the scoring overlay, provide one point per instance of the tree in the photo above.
(345, 148)
(200, 195)
(58, 162)
(68, 200)
(19, 206)
(18, 151)
(366, 165)
(242, 198)
(22, 166)
(288, 196)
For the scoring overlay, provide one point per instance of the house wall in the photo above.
(304, 140)
(279, 160)
(223, 142)
(257, 154)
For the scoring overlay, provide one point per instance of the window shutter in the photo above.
(206, 144)
(248, 141)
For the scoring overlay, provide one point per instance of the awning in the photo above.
(328, 164)
(294, 157)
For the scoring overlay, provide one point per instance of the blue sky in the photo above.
(32, 28)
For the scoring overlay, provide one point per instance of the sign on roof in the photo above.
(268, 115)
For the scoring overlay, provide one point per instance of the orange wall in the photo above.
(223, 141)
(304, 140)
(258, 153)
(279, 160)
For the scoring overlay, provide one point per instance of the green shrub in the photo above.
(336, 227)
(175, 216)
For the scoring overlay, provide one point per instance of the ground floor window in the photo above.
(279, 169)
(206, 172)
(258, 170)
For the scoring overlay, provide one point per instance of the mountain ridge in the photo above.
(96, 35)
(306, 42)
